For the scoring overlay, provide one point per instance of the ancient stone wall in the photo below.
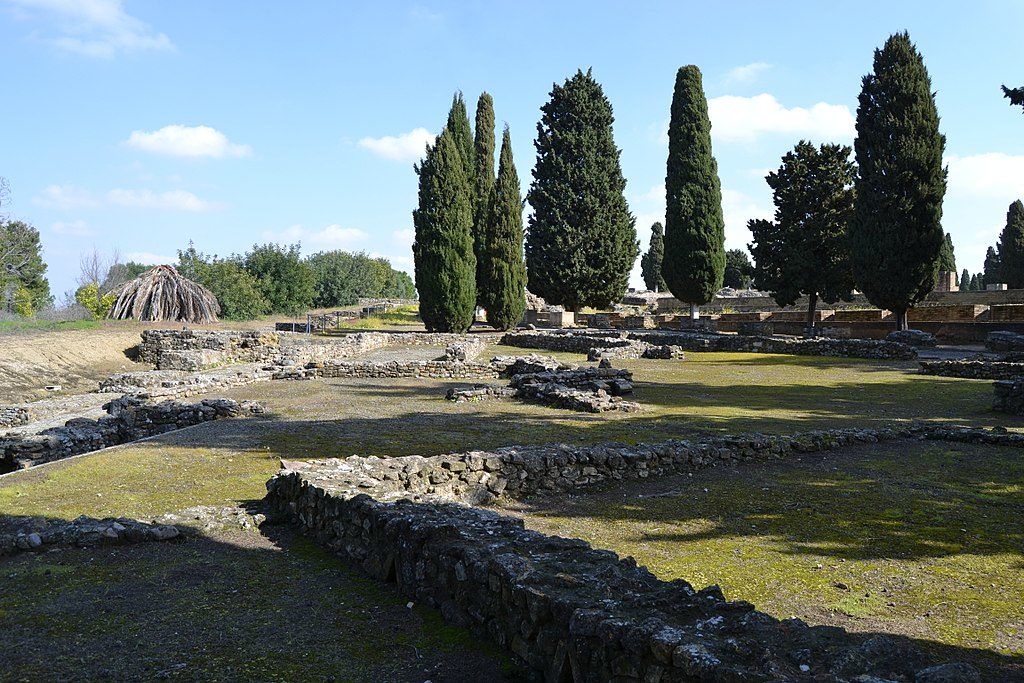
(972, 369)
(438, 369)
(177, 384)
(1008, 396)
(1002, 340)
(192, 350)
(821, 346)
(14, 416)
(129, 419)
(565, 610)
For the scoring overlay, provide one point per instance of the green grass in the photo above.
(401, 316)
(33, 324)
(919, 539)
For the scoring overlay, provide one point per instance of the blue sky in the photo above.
(139, 125)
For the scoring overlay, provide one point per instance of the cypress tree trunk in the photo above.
(502, 270)
(483, 181)
(896, 233)
(443, 249)
(901, 318)
(812, 304)
(694, 262)
(581, 240)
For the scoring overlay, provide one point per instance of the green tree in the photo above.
(1011, 247)
(282, 277)
(22, 265)
(119, 273)
(236, 290)
(89, 297)
(694, 265)
(1015, 95)
(992, 268)
(804, 251)
(483, 181)
(738, 269)
(978, 282)
(947, 256)
(502, 272)
(399, 286)
(341, 278)
(965, 280)
(443, 247)
(581, 239)
(896, 233)
(462, 134)
(650, 262)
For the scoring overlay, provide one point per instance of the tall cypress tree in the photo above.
(581, 240)
(947, 256)
(483, 181)
(1011, 247)
(458, 124)
(443, 246)
(965, 280)
(650, 262)
(992, 269)
(896, 233)
(694, 263)
(502, 272)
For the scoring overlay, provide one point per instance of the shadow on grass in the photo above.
(231, 606)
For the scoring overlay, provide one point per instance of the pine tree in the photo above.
(805, 249)
(694, 264)
(581, 240)
(502, 271)
(1015, 95)
(458, 124)
(22, 266)
(992, 268)
(483, 182)
(443, 246)
(896, 234)
(965, 280)
(650, 262)
(1011, 247)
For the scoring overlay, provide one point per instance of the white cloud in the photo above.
(746, 73)
(405, 147)
(187, 141)
(172, 200)
(96, 28)
(655, 194)
(150, 259)
(66, 198)
(744, 119)
(331, 237)
(73, 229)
(404, 237)
(738, 209)
(994, 175)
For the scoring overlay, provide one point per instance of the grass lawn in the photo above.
(229, 462)
(922, 540)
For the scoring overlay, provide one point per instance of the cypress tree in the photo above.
(443, 248)
(581, 240)
(650, 262)
(483, 182)
(458, 124)
(502, 271)
(694, 264)
(805, 250)
(993, 266)
(965, 280)
(896, 233)
(947, 257)
(1011, 247)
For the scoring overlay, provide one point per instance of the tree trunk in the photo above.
(694, 312)
(901, 318)
(812, 304)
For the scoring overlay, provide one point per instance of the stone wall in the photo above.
(177, 384)
(820, 346)
(130, 418)
(1008, 396)
(564, 609)
(972, 369)
(1002, 340)
(438, 369)
(14, 416)
(193, 350)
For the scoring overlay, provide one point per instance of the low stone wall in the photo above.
(572, 342)
(565, 610)
(972, 369)
(192, 350)
(41, 534)
(175, 384)
(437, 369)
(130, 419)
(14, 416)
(1008, 396)
(1002, 340)
(821, 346)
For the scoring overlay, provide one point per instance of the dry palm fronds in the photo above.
(161, 293)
